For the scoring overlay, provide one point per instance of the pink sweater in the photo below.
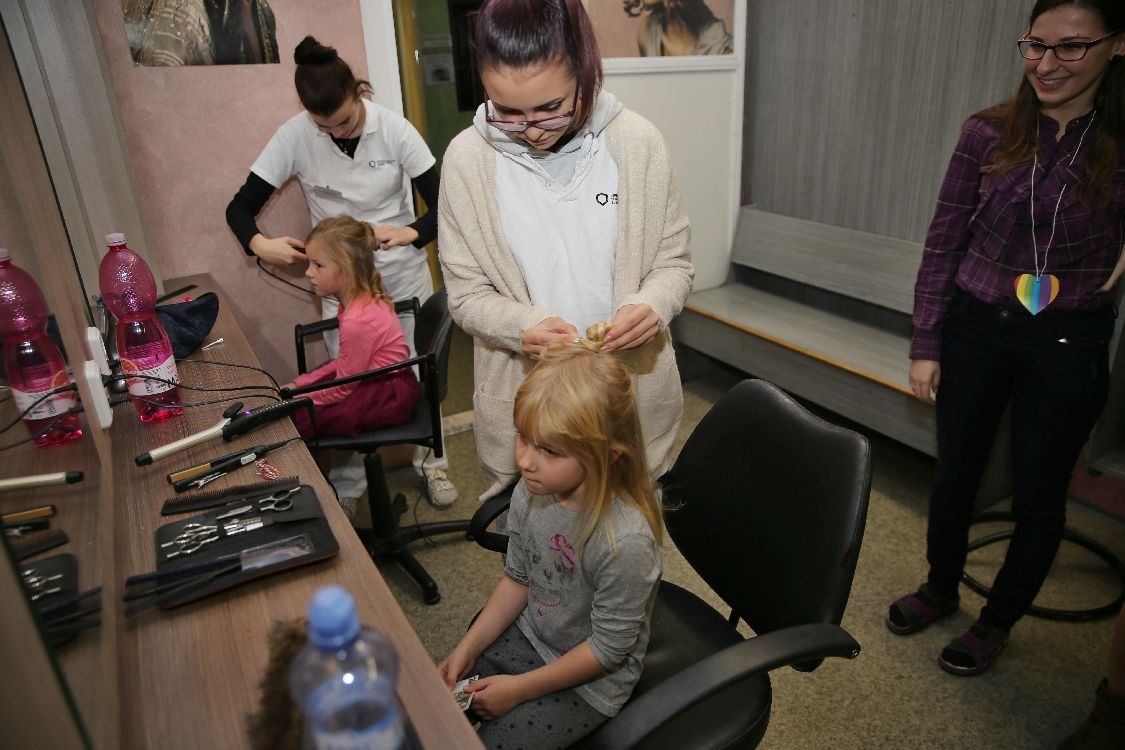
(370, 336)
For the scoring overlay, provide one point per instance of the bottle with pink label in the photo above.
(129, 291)
(32, 362)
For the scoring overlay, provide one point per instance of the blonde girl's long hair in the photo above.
(580, 400)
(351, 245)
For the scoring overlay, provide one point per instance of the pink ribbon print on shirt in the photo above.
(560, 544)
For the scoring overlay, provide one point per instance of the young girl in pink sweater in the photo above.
(340, 251)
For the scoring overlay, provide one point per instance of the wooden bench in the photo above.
(821, 311)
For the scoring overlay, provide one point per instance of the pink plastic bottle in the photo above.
(129, 291)
(32, 363)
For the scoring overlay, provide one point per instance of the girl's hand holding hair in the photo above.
(925, 377)
(632, 326)
(388, 235)
(280, 251)
(534, 340)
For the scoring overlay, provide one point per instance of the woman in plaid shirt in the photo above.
(1014, 304)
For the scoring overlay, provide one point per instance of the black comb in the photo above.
(215, 498)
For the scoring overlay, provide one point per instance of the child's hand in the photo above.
(495, 696)
(455, 666)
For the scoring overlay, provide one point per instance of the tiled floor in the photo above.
(893, 695)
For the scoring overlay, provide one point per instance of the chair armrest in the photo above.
(488, 512)
(307, 329)
(801, 643)
(291, 392)
(301, 330)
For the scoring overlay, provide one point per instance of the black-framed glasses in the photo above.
(554, 122)
(1032, 49)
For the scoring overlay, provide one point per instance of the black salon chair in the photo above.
(386, 539)
(768, 503)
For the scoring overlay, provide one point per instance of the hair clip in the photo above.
(267, 470)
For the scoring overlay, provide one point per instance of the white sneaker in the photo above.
(439, 489)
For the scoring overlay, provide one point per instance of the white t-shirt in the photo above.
(372, 186)
(563, 235)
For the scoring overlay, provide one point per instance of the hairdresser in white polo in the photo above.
(350, 156)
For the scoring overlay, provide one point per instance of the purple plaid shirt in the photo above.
(980, 237)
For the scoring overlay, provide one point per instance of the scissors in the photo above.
(38, 581)
(277, 502)
(191, 538)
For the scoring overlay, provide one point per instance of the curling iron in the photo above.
(39, 480)
(235, 421)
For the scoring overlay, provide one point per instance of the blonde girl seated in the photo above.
(340, 251)
(559, 643)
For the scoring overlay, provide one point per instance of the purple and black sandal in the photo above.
(914, 612)
(973, 651)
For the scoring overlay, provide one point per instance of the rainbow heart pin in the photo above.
(1035, 293)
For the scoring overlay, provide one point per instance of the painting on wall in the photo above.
(172, 33)
(663, 28)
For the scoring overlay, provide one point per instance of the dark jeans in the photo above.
(1054, 368)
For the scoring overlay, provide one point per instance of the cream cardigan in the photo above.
(488, 297)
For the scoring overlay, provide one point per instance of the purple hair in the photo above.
(521, 34)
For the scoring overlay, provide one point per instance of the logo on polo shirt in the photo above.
(605, 198)
(375, 163)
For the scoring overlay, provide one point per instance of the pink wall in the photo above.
(13, 231)
(193, 133)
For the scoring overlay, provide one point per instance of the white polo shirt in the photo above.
(563, 234)
(371, 187)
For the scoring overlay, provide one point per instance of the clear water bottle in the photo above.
(129, 291)
(32, 362)
(344, 679)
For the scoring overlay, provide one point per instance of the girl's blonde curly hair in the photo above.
(581, 401)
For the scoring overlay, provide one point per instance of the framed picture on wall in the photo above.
(633, 36)
(663, 28)
(174, 33)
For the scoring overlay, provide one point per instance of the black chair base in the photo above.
(1069, 535)
(386, 540)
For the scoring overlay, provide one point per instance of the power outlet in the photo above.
(96, 347)
(100, 406)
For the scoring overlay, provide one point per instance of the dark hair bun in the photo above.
(312, 52)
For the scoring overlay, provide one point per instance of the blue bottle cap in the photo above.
(333, 622)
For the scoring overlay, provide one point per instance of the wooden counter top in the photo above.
(188, 677)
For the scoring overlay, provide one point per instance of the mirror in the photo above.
(34, 712)
(31, 225)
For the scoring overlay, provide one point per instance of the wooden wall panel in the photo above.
(853, 106)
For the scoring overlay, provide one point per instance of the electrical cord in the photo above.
(50, 426)
(45, 396)
(236, 365)
(421, 496)
(275, 389)
(193, 404)
(237, 389)
(287, 282)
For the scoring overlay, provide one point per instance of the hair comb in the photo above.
(215, 498)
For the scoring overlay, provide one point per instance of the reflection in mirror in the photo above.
(35, 710)
(74, 515)
(51, 526)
